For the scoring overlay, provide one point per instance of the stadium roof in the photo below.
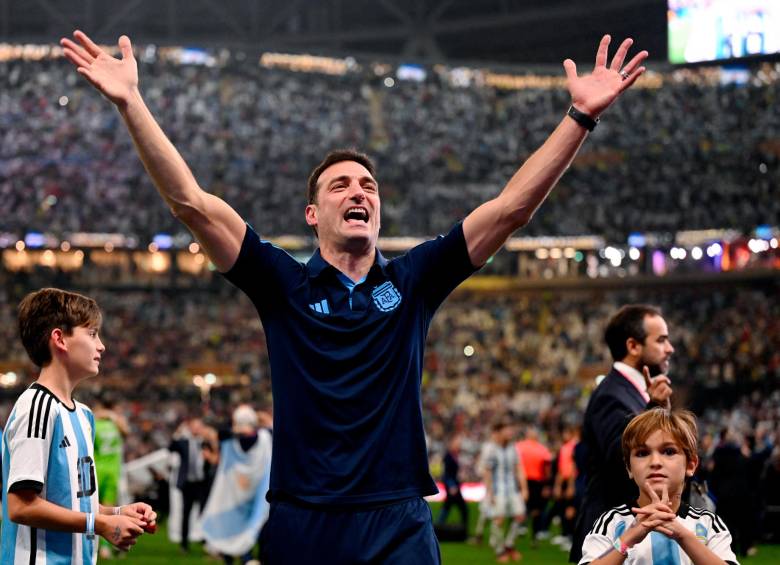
(506, 31)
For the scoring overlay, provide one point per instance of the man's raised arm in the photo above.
(489, 226)
(218, 227)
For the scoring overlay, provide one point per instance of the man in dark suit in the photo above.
(638, 340)
(191, 479)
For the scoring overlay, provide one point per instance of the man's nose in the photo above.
(357, 192)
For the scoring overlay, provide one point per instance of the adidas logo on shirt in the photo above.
(320, 307)
(65, 442)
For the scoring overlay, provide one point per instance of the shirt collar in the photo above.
(316, 264)
(632, 374)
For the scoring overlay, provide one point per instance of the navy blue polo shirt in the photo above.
(346, 374)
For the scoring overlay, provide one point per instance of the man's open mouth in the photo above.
(357, 213)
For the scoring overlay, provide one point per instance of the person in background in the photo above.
(237, 509)
(110, 430)
(506, 490)
(451, 480)
(536, 460)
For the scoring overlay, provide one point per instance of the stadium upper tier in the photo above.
(688, 155)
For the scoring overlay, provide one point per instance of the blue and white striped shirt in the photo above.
(48, 448)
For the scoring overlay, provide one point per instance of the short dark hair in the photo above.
(332, 158)
(627, 322)
(45, 310)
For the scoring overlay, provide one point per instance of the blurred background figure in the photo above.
(237, 509)
(536, 460)
(111, 428)
(190, 481)
(506, 490)
(451, 480)
(564, 488)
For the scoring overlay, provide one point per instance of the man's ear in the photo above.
(311, 214)
(633, 347)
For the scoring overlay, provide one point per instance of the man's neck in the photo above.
(631, 362)
(55, 378)
(352, 264)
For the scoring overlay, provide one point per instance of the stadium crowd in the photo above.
(689, 155)
(532, 354)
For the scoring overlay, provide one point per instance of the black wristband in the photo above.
(582, 118)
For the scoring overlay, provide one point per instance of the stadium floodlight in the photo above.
(34, 239)
(758, 245)
(634, 254)
(714, 250)
(697, 253)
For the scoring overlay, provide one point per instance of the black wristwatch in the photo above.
(582, 118)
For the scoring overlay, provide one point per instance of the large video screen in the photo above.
(713, 30)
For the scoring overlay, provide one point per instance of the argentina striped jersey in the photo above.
(48, 448)
(656, 548)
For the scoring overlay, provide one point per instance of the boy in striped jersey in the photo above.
(659, 448)
(51, 512)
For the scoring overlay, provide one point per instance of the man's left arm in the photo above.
(488, 227)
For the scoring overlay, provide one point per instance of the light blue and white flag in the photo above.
(237, 508)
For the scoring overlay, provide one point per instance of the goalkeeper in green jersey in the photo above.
(110, 430)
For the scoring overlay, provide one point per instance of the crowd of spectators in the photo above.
(688, 155)
(533, 354)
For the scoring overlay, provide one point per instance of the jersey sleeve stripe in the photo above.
(46, 416)
(32, 413)
(605, 518)
(38, 413)
(717, 525)
(716, 520)
(602, 523)
(720, 522)
(597, 525)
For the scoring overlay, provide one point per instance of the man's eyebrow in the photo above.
(342, 178)
(337, 179)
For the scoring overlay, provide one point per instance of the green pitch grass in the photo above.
(157, 550)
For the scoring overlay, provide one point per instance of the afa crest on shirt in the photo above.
(386, 297)
(701, 532)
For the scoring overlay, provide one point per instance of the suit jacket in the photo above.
(611, 407)
(182, 446)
